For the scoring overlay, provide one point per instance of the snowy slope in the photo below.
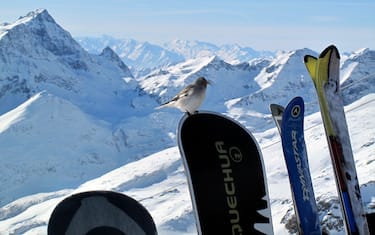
(228, 81)
(79, 145)
(57, 106)
(358, 76)
(320, 164)
(159, 183)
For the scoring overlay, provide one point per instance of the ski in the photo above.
(226, 175)
(290, 126)
(100, 212)
(324, 72)
(277, 112)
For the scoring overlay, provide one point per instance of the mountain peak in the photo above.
(362, 50)
(109, 54)
(38, 28)
(38, 15)
(40, 55)
(37, 12)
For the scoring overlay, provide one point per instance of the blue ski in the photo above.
(290, 125)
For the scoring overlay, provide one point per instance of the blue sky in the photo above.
(262, 25)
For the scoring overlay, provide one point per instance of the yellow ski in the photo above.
(324, 72)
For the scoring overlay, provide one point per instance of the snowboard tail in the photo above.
(226, 176)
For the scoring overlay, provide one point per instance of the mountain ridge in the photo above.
(141, 56)
(46, 57)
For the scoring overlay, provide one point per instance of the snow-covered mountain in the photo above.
(36, 54)
(72, 121)
(46, 137)
(142, 57)
(228, 81)
(358, 75)
(50, 87)
(231, 53)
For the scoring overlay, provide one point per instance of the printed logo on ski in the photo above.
(296, 110)
(297, 158)
(235, 154)
(225, 156)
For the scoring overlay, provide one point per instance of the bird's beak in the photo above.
(210, 82)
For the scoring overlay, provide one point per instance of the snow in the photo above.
(143, 57)
(159, 183)
(34, 120)
(71, 121)
(319, 159)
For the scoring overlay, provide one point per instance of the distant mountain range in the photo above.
(142, 57)
(72, 110)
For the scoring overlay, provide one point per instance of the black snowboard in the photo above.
(226, 175)
(100, 212)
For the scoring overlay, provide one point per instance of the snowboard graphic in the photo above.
(226, 175)
(100, 212)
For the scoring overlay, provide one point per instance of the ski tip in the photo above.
(330, 49)
(276, 109)
(308, 58)
(294, 109)
(298, 99)
(311, 64)
(277, 112)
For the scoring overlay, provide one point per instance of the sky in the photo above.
(262, 25)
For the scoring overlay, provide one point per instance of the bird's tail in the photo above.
(167, 104)
(159, 107)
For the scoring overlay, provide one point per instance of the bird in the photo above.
(190, 98)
